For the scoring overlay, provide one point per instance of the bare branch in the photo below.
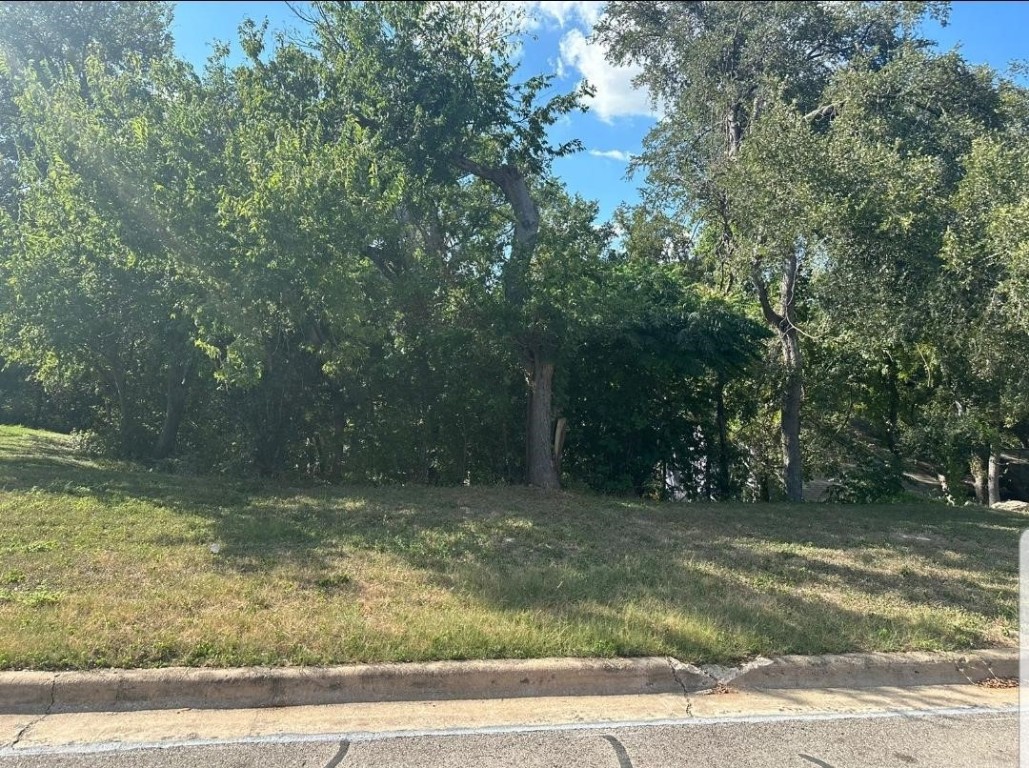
(825, 111)
(787, 297)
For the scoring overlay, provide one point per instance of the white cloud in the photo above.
(612, 154)
(615, 95)
(562, 12)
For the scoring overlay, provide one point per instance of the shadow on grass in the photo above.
(750, 578)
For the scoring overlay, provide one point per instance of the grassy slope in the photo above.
(108, 565)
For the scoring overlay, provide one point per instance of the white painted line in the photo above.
(364, 736)
(1023, 651)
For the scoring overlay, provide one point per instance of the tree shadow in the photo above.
(745, 574)
(585, 568)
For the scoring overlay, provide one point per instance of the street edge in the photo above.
(252, 687)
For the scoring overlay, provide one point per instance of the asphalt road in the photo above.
(969, 739)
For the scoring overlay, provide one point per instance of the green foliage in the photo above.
(718, 66)
(52, 36)
(435, 82)
(644, 383)
(873, 479)
(826, 151)
(347, 257)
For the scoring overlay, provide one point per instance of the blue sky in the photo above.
(992, 33)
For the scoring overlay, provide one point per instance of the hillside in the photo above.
(106, 564)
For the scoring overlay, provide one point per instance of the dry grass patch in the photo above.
(998, 682)
(105, 564)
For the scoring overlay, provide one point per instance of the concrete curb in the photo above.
(253, 687)
(870, 670)
(179, 687)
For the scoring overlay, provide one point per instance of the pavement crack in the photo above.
(36, 720)
(344, 747)
(685, 692)
(25, 729)
(21, 732)
(53, 696)
(675, 674)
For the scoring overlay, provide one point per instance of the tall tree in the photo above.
(434, 82)
(897, 145)
(984, 365)
(717, 69)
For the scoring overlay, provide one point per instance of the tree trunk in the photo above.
(176, 393)
(978, 467)
(539, 447)
(793, 365)
(892, 407)
(37, 417)
(763, 494)
(793, 396)
(994, 478)
(722, 485)
(127, 428)
(512, 182)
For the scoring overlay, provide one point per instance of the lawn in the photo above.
(109, 565)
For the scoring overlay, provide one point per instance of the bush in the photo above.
(872, 480)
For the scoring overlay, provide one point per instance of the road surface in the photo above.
(962, 727)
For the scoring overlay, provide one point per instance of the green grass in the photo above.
(105, 564)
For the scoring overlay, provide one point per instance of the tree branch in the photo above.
(772, 317)
(513, 184)
(787, 293)
(485, 172)
(377, 256)
(515, 188)
(825, 111)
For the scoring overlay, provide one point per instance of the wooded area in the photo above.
(349, 257)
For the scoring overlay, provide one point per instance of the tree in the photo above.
(899, 144)
(983, 365)
(50, 39)
(433, 82)
(719, 69)
(83, 85)
(306, 204)
(646, 393)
